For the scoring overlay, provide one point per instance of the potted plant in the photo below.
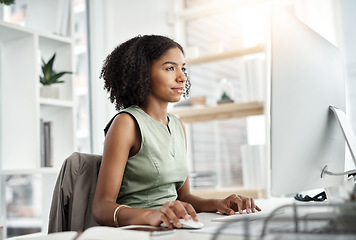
(225, 98)
(7, 2)
(50, 77)
(226, 91)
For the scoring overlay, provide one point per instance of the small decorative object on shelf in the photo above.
(225, 98)
(50, 77)
(226, 91)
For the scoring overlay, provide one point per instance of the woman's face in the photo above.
(168, 76)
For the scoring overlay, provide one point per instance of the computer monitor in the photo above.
(307, 76)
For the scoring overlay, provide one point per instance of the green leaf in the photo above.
(50, 62)
(56, 76)
(43, 81)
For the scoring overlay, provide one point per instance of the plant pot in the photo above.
(49, 91)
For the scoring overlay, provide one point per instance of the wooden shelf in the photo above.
(225, 192)
(225, 55)
(219, 112)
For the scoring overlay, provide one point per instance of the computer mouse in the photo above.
(188, 224)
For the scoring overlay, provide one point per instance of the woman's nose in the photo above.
(182, 77)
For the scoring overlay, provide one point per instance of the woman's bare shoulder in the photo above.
(124, 125)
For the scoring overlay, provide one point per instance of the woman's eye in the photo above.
(170, 68)
(184, 69)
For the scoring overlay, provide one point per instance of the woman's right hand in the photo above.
(171, 212)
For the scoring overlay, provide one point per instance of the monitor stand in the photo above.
(349, 138)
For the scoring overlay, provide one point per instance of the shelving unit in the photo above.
(22, 107)
(200, 113)
(227, 110)
(21, 50)
(222, 58)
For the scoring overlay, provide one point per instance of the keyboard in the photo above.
(244, 215)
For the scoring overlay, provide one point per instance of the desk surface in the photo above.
(286, 223)
(181, 234)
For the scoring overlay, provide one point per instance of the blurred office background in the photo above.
(226, 44)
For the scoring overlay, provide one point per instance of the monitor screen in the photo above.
(307, 76)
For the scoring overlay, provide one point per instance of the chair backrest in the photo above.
(73, 193)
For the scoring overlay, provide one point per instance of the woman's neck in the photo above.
(156, 111)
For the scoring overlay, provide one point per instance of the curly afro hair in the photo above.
(126, 70)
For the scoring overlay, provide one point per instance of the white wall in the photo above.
(112, 22)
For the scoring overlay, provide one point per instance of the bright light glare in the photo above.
(253, 27)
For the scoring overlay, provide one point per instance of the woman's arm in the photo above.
(119, 142)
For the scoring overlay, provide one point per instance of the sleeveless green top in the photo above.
(153, 176)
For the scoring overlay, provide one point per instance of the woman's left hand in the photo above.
(236, 203)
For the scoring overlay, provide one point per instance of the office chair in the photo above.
(73, 193)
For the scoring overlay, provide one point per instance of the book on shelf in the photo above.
(42, 142)
(46, 143)
(63, 17)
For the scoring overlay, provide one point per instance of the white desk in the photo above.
(205, 233)
(179, 234)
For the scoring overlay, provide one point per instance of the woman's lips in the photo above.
(179, 90)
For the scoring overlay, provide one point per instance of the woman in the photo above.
(143, 177)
